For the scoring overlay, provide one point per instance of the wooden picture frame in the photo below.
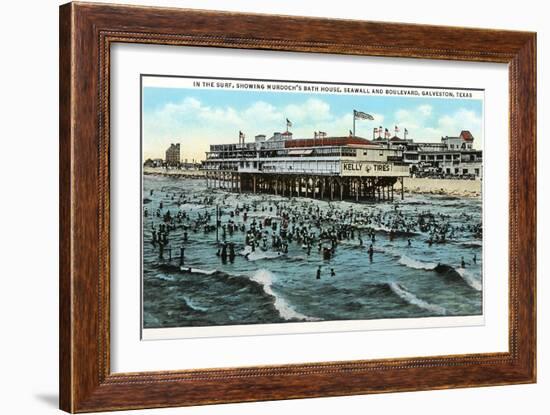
(86, 33)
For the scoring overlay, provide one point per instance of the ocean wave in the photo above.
(444, 269)
(380, 228)
(396, 232)
(444, 197)
(414, 203)
(460, 274)
(254, 256)
(265, 279)
(410, 298)
(258, 254)
(259, 284)
(164, 277)
(416, 264)
(191, 304)
(198, 270)
(472, 244)
(470, 279)
(456, 205)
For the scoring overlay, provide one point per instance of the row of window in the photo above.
(464, 171)
(462, 146)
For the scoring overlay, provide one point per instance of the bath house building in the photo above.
(322, 167)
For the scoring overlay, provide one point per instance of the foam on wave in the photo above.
(470, 279)
(416, 264)
(410, 298)
(265, 279)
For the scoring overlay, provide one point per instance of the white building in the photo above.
(323, 167)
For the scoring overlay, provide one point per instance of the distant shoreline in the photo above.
(413, 185)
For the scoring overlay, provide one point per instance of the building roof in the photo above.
(327, 141)
(466, 135)
(396, 138)
(277, 136)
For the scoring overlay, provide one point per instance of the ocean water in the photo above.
(405, 277)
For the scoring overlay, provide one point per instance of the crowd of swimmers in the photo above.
(269, 225)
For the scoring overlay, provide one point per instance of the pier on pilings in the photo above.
(322, 187)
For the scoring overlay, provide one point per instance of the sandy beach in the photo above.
(453, 187)
(161, 171)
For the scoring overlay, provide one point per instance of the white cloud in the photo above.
(425, 110)
(177, 122)
(262, 111)
(461, 120)
(197, 125)
(423, 126)
(312, 109)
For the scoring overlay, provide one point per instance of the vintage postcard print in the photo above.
(275, 206)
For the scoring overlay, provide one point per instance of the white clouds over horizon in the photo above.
(197, 125)
(422, 125)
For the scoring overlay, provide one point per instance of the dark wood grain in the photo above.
(65, 246)
(86, 33)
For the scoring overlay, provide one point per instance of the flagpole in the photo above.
(354, 123)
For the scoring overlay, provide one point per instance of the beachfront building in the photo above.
(323, 167)
(190, 165)
(153, 163)
(173, 155)
(449, 164)
(452, 157)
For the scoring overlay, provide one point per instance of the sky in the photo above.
(197, 118)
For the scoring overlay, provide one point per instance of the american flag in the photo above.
(360, 115)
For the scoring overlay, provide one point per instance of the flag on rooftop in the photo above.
(360, 115)
(288, 123)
